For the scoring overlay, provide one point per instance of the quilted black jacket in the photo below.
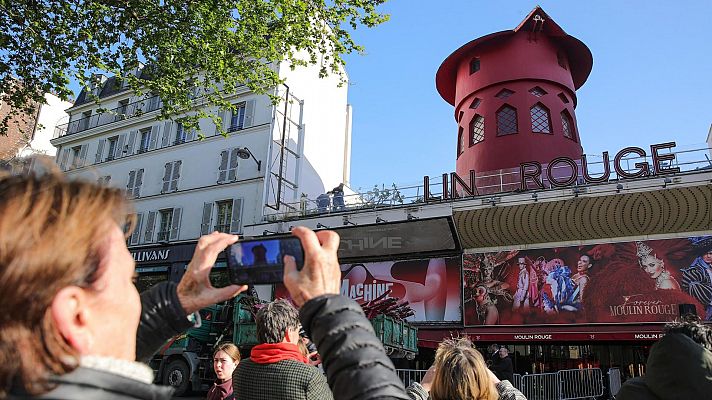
(356, 364)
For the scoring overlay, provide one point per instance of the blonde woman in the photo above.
(459, 373)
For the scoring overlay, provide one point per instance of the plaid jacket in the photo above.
(284, 380)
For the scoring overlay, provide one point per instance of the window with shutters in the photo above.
(477, 129)
(506, 120)
(145, 144)
(104, 180)
(133, 187)
(84, 122)
(180, 134)
(171, 175)
(166, 220)
(121, 110)
(227, 170)
(76, 157)
(541, 122)
(568, 125)
(113, 141)
(136, 234)
(224, 215)
(237, 118)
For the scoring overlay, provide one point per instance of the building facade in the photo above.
(182, 186)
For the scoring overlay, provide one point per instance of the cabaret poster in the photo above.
(428, 289)
(626, 282)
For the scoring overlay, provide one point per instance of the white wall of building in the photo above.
(49, 116)
(325, 127)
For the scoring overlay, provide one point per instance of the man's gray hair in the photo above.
(274, 319)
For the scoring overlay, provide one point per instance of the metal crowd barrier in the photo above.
(566, 384)
(517, 381)
(409, 376)
(581, 383)
(614, 381)
(541, 386)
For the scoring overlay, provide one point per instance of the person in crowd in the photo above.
(323, 202)
(71, 320)
(459, 373)
(502, 366)
(679, 365)
(277, 369)
(338, 198)
(697, 278)
(225, 358)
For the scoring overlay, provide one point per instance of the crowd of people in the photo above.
(73, 325)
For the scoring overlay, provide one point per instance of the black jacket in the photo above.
(162, 317)
(356, 364)
(503, 368)
(87, 383)
(677, 368)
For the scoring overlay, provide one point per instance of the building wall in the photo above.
(325, 124)
(83, 152)
(50, 115)
(18, 135)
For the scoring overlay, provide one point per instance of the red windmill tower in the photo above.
(514, 94)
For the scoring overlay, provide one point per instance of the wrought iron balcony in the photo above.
(120, 113)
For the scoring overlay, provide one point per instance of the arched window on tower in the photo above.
(568, 124)
(460, 141)
(541, 122)
(477, 129)
(506, 120)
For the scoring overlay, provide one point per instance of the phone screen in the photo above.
(261, 261)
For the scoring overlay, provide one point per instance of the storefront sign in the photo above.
(627, 282)
(431, 287)
(151, 255)
(163, 254)
(531, 172)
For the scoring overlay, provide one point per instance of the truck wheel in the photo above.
(177, 375)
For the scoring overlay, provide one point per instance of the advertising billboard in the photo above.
(431, 287)
(626, 282)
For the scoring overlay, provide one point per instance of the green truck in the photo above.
(185, 362)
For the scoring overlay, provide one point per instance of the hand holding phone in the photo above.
(321, 273)
(261, 261)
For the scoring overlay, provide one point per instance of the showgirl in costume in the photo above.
(655, 267)
(487, 312)
(563, 291)
(697, 278)
(535, 282)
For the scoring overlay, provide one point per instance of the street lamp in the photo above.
(245, 153)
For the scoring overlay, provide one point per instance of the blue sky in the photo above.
(650, 82)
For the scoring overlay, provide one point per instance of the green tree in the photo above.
(208, 45)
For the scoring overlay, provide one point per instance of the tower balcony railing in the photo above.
(490, 185)
(126, 111)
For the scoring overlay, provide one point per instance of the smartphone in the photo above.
(261, 261)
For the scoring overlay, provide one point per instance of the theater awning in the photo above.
(525, 334)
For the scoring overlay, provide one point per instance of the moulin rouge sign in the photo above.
(532, 171)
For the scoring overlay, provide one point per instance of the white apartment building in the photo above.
(183, 187)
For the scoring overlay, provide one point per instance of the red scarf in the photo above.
(270, 353)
